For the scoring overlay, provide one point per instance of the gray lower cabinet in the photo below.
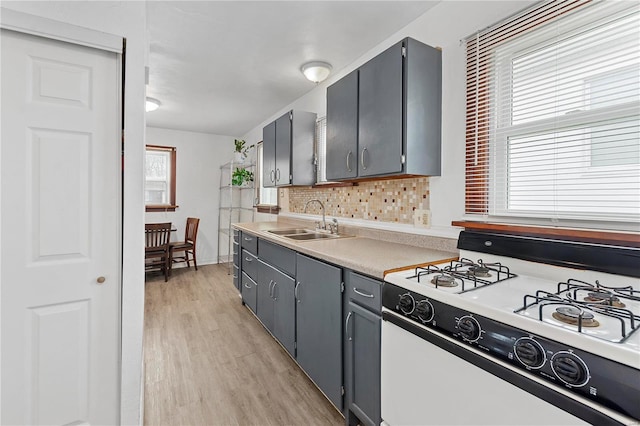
(319, 331)
(362, 316)
(363, 365)
(276, 304)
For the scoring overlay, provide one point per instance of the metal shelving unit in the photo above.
(236, 204)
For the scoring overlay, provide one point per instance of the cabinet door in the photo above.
(363, 364)
(380, 114)
(283, 150)
(264, 307)
(269, 155)
(318, 320)
(342, 128)
(284, 311)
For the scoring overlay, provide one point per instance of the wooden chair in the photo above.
(188, 246)
(157, 252)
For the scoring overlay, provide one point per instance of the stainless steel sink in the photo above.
(300, 234)
(311, 236)
(290, 231)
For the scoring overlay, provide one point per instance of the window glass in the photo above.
(159, 190)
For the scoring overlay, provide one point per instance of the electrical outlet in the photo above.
(422, 218)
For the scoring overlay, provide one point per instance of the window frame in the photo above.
(486, 194)
(171, 206)
(260, 206)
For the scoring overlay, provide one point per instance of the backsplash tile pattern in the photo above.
(391, 200)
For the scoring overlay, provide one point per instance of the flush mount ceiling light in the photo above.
(152, 104)
(316, 71)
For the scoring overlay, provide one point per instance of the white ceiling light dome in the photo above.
(152, 104)
(316, 71)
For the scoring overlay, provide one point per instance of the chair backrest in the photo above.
(191, 230)
(157, 236)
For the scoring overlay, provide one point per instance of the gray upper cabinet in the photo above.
(288, 157)
(269, 155)
(342, 128)
(380, 114)
(398, 97)
(318, 319)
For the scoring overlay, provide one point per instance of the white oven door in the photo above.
(423, 384)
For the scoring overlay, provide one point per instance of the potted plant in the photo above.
(241, 150)
(241, 177)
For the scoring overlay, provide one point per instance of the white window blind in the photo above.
(553, 114)
(321, 150)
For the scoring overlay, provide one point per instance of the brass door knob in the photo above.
(100, 280)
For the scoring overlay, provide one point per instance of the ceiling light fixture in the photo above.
(152, 104)
(316, 71)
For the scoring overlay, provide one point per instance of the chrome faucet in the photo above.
(324, 223)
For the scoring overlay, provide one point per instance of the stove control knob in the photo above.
(424, 310)
(529, 352)
(469, 328)
(570, 369)
(407, 304)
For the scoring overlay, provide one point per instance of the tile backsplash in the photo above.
(393, 200)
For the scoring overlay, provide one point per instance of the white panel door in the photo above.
(61, 232)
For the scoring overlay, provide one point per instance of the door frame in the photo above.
(61, 31)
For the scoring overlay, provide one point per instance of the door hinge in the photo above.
(403, 158)
(295, 345)
(290, 115)
(342, 287)
(290, 178)
(342, 390)
(404, 51)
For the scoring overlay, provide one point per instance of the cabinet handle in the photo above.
(272, 176)
(248, 238)
(270, 284)
(249, 287)
(235, 276)
(274, 297)
(362, 158)
(248, 259)
(346, 326)
(348, 162)
(363, 294)
(295, 291)
(277, 175)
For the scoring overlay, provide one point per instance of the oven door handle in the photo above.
(346, 326)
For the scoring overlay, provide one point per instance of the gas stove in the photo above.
(576, 329)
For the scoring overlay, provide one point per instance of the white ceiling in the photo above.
(223, 67)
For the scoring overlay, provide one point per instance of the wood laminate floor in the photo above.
(208, 361)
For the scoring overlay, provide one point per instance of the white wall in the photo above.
(442, 26)
(125, 19)
(198, 160)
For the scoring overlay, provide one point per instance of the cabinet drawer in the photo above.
(277, 256)
(250, 264)
(236, 277)
(249, 243)
(249, 292)
(364, 290)
(236, 255)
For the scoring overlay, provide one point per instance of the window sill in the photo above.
(160, 208)
(627, 239)
(267, 209)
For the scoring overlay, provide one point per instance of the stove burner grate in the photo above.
(572, 310)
